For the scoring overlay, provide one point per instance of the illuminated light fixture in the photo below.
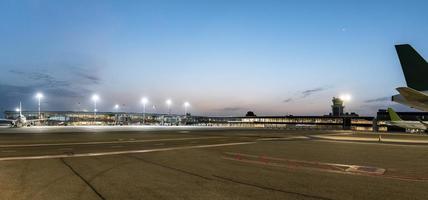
(345, 97)
(169, 103)
(95, 98)
(144, 101)
(39, 96)
(186, 105)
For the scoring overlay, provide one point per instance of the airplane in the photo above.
(411, 125)
(21, 120)
(415, 70)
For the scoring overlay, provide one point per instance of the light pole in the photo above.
(144, 101)
(186, 105)
(168, 103)
(95, 99)
(116, 107)
(39, 96)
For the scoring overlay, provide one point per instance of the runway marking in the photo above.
(8, 151)
(283, 138)
(413, 145)
(110, 142)
(121, 152)
(65, 149)
(184, 131)
(319, 166)
(365, 139)
(288, 163)
(331, 167)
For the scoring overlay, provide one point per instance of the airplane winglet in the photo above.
(412, 94)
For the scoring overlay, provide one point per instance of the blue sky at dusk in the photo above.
(224, 57)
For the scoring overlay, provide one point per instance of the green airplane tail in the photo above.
(393, 115)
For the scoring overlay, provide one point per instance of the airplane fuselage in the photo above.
(408, 124)
(20, 121)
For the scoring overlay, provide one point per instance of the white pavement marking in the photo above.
(65, 149)
(183, 131)
(110, 142)
(8, 151)
(346, 138)
(122, 152)
(372, 143)
(282, 138)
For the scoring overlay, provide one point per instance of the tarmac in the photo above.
(209, 163)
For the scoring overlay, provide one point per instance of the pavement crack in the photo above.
(83, 179)
(271, 189)
(172, 168)
(102, 172)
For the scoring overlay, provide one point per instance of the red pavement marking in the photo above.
(319, 166)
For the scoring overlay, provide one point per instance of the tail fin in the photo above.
(414, 66)
(393, 115)
(20, 109)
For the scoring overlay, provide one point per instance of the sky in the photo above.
(276, 57)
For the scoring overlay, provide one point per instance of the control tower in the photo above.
(337, 107)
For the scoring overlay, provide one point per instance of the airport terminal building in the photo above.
(120, 118)
(336, 120)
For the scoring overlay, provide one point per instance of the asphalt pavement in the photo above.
(208, 163)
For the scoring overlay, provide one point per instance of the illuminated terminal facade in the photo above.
(336, 120)
(73, 118)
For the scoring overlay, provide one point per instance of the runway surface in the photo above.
(209, 163)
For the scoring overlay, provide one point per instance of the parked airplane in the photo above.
(411, 125)
(415, 70)
(21, 120)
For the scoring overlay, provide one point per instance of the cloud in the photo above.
(75, 76)
(232, 109)
(12, 90)
(61, 87)
(28, 90)
(306, 93)
(86, 75)
(288, 100)
(310, 92)
(57, 98)
(380, 99)
(45, 78)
